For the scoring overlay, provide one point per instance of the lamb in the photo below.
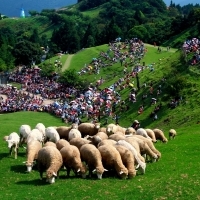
(61, 143)
(52, 134)
(24, 131)
(79, 142)
(172, 134)
(142, 165)
(35, 134)
(96, 139)
(111, 158)
(88, 129)
(74, 133)
(49, 159)
(151, 145)
(142, 132)
(107, 142)
(112, 128)
(91, 155)
(13, 142)
(63, 132)
(32, 153)
(49, 143)
(72, 160)
(160, 135)
(116, 137)
(151, 134)
(127, 159)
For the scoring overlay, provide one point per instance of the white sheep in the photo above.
(13, 142)
(127, 159)
(151, 134)
(35, 134)
(72, 160)
(92, 157)
(24, 131)
(41, 128)
(79, 142)
(52, 134)
(88, 128)
(32, 153)
(117, 137)
(142, 132)
(61, 143)
(74, 133)
(172, 134)
(142, 165)
(113, 128)
(160, 135)
(49, 160)
(111, 159)
(130, 131)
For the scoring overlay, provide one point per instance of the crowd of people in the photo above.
(71, 104)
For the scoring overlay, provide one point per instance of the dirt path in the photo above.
(67, 62)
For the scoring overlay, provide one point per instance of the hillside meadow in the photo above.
(174, 176)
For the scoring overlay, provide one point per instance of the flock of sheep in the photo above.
(87, 147)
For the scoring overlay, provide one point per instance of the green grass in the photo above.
(175, 176)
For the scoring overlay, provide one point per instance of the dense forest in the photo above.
(149, 20)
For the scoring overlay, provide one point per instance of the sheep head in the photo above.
(50, 175)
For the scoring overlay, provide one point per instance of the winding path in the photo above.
(67, 62)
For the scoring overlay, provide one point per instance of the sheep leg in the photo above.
(10, 152)
(68, 171)
(41, 175)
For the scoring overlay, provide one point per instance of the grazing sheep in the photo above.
(41, 128)
(79, 142)
(142, 132)
(49, 159)
(151, 145)
(107, 142)
(116, 137)
(111, 158)
(24, 131)
(49, 143)
(160, 135)
(74, 133)
(13, 142)
(52, 134)
(72, 160)
(96, 139)
(88, 129)
(63, 132)
(144, 148)
(172, 134)
(32, 153)
(127, 159)
(130, 131)
(142, 165)
(92, 157)
(61, 143)
(151, 134)
(113, 128)
(35, 134)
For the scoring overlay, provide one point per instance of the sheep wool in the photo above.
(63, 132)
(49, 159)
(24, 131)
(72, 160)
(160, 135)
(112, 159)
(52, 134)
(61, 143)
(88, 128)
(91, 155)
(172, 134)
(79, 142)
(151, 134)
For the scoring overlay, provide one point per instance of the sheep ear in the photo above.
(54, 174)
(94, 170)
(105, 170)
(78, 170)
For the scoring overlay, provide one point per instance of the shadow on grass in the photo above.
(19, 168)
(3, 155)
(36, 182)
